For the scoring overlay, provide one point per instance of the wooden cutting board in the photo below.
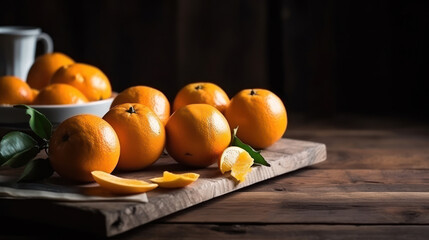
(111, 218)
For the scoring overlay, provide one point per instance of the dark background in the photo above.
(323, 58)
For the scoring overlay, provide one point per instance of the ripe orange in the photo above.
(59, 93)
(35, 93)
(91, 81)
(202, 92)
(150, 97)
(197, 134)
(44, 67)
(13, 90)
(141, 135)
(82, 144)
(260, 116)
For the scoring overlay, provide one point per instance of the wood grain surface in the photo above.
(111, 218)
(373, 185)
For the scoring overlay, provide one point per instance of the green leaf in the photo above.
(37, 169)
(256, 155)
(38, 122)
(14, 143)
(22, 158)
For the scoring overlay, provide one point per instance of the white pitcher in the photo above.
(18, 49)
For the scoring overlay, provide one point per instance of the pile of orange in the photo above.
(55, 78)
(259, 114)
(197, 134)
(140, 126)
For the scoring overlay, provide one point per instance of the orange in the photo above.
(120, 185)
(90, 80)
(173, 180)
(35, 93)
(201, 92)
(82, 144)
(229, 156)
(141, 135)
(197, 134)
(13, 90)
(150, 97)
(59, 93)
(44, 67)
(236, 160)
(242, 167)
(260, 116)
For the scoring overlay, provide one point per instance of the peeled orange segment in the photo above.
(120, 185)
(172, 180)
(242, 167)
(236, 160)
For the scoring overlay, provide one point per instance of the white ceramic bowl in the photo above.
(16, 117)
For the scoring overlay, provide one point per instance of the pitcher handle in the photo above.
(47, 42)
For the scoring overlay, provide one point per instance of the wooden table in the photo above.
(373, 185)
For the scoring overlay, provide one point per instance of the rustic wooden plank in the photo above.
(313, 207)
(284, 156)
(13, 229)
(347, 180)
(373, 139)
(377, 158)
(277, 231)
(368, 149)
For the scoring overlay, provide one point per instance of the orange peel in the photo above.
(172, 180)
(120, 185)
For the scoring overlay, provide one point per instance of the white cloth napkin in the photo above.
(68, 193)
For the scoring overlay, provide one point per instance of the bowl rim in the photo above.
(74, 105)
